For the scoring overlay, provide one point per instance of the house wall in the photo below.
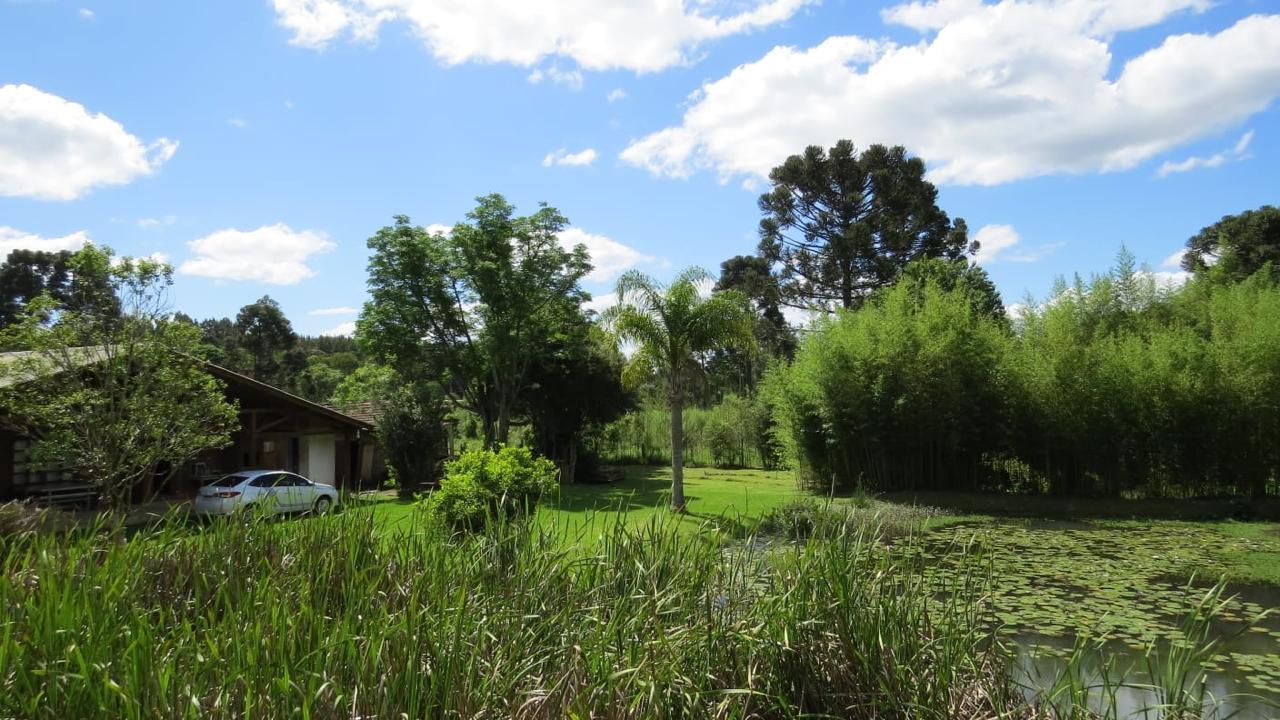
(6, 463)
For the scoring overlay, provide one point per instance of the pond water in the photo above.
(1055, 583)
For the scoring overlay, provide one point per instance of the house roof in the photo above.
(368, 412)
(231, 376)
(87, 355)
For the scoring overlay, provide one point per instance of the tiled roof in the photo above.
(367, 412)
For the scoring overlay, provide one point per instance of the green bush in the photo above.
(482, 485)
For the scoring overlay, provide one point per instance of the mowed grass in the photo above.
(717, 499)
(731, 501)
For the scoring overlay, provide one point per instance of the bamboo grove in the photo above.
(1122, 385)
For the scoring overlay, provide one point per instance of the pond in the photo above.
(1111, 584)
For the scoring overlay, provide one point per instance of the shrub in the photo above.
(482, 485)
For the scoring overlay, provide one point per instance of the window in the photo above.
(26, 472)
(265, 481)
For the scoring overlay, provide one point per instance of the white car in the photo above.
(270, 491)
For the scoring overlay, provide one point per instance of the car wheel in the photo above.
(323, 505)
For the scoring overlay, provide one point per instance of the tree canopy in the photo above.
(121, 400)
(1237, 245)
(475, 308)
(27, 274)
(840, 224)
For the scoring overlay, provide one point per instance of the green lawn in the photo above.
(730, 499)
(718, 498)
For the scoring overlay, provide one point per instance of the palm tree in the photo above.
(668, 326)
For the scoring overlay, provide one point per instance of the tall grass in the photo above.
(326, 618)
(333, 618)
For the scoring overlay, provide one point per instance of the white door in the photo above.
(319, 454)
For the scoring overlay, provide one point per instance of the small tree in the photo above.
(121, 400)
(668, 326)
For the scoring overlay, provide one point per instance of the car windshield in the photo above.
(230, 481)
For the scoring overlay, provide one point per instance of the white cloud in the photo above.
(992, 93)
(616, 94)
(639, 35)
(570, 78)
(274, 254)
(86, 13)
(601, 302)
(997, 242)
(344, 329)
(55, 149)
(439, 229)
(1168, 279)
(148, 223)
(993, 240)
(236, 122)
(609, 258)
(1174, 261)
(564, 157)
(13, 239)
(334, 311)
(1237, 152)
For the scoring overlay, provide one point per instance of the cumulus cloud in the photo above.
(609, 258)
(345, 329)
(274, 254)
(13, 239)
(55, 149)
(991, 93)
(639, 35)
(1238, 152)
(616, 94)
(998, 243)
(334, 311)
(564, 157)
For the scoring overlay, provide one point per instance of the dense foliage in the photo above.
(482, 487)
(328, 619)
(475, 308)
(842, 223)
(119, 399)
(1116, 386)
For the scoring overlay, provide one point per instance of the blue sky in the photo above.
(256, 145)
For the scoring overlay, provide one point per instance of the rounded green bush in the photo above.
(484, 485)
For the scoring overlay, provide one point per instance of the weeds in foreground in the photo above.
(329, 618)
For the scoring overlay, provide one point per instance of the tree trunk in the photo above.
(677, 448)
(571, 465)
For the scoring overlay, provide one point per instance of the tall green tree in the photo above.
(473, 308)
(669, 326)
(840, 224)
(27, 274)
(1237, 245)
(752, 276)
(268, 336)
(121, 400)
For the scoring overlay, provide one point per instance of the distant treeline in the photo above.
(1120, 385)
